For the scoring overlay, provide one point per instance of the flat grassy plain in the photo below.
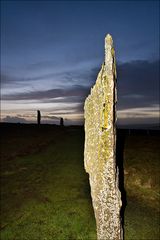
(45, 192)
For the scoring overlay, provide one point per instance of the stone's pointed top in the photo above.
(108, 40)
(109, 55)
(108, 36)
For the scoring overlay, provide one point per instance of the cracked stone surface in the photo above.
(100, 148)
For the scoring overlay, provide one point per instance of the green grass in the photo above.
(45, 192)
(46, 195)
(142, 184)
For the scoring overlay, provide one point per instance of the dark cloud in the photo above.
(65, 110)
(138, 121)
(138, 84)
(8, 80)
(42, 64)
(14, 119)
(137, 87)
(51, 117)
(71, 99)
(75, 90)
(86, 76)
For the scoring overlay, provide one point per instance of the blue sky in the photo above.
(51, 52)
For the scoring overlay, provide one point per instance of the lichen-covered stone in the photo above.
(100, 148)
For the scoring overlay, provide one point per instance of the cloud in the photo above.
(25, 115)
(51, 117)
(133, 96)
(73, 91)
(136, 80)
(14, 119)
(138, 84)
(73, 75)
(140, 115)
(42, 64)
(65, 110)
(8, 80)
(140, 112)
(83, 73)
(138, 88)
(71, 99)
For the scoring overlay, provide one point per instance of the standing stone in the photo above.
(61, 122)
(38, 117)
(100, 149)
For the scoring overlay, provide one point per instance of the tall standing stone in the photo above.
(100, 148)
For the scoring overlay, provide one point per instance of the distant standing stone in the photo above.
(100, 149)
(61, 122)
(38, 117)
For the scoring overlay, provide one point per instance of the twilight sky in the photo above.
(51, 52)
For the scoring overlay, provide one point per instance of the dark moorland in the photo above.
(45, 192)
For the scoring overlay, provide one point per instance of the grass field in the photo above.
(45, 192)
